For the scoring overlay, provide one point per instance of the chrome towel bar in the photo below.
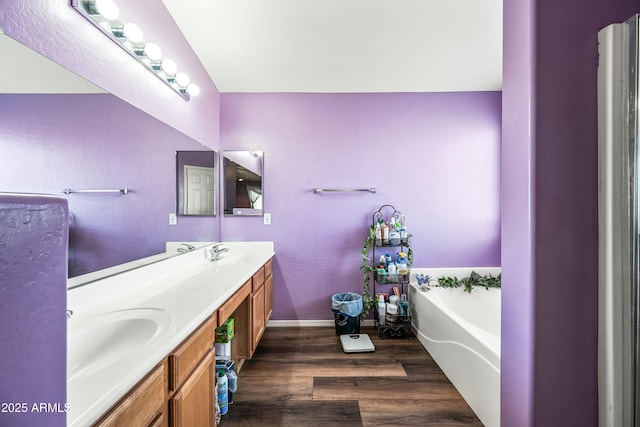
(115, 190)
(342, 190)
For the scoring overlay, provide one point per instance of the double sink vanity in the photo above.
(140, 341)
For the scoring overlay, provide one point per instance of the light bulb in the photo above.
(182, 79)
(129, 31)
(193, 89)
(169, 66)
(107, 8)
(132, 32)
(152, 51)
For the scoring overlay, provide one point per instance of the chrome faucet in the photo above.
(187, 248)
(217, 250)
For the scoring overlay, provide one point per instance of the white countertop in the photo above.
(188, 287)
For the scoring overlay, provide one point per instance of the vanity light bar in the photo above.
(104, 14)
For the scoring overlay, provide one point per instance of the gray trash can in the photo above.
(346, 307)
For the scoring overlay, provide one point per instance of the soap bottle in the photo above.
(382, 310)
(223, 392)
(377, 231)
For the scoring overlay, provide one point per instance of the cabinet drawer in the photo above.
(234, 302)
(142, 405)
(258, 279)
(186, 357)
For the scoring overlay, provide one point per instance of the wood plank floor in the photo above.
(301, 377)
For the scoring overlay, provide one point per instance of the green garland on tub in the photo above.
(473, 280)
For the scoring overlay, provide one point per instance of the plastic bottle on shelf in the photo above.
(404, 305)
(392, 271)
(392, 308)
(404, 236)
(223, 392)
(402, 265)
(394, 238)
(382, 310)
(385, 234)
(387, 259)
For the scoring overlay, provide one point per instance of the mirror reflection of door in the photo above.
(196, 178)
(199, 191)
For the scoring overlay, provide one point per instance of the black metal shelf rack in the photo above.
(394, 325)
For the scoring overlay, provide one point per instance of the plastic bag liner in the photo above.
(348, 303)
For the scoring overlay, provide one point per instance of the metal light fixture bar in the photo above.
(103, 14)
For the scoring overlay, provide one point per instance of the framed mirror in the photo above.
(243, 176)
(196, 180)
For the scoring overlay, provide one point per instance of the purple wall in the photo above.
(549, 342)
(33, 300)
(55, 29)
(52, 142)
(435, 157)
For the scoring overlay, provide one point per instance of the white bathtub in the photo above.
(461, 331)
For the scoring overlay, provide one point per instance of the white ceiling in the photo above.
(312, 46)
(346, 45)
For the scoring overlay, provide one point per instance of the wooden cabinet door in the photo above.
(257, 317)
(192, 405)
(268, 299)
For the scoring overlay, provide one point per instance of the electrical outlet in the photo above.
(266, 219)
(173, 219)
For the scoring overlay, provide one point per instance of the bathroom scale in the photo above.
(356, 343)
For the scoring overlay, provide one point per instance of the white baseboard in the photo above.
(309, 323)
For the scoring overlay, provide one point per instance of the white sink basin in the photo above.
(229, 259)
(97, 342)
